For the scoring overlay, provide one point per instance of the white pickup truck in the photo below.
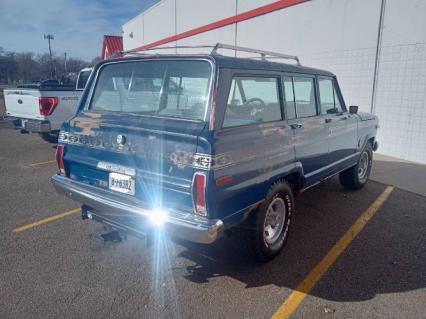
(42, 108)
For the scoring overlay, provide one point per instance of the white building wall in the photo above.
(246, 5)
(189, 17)
(322, 34)
(401, 87)
(133, 33)
(337, 35)
(193, 14)
(159, 22)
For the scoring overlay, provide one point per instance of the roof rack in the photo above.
(263, 54)
(142, 51)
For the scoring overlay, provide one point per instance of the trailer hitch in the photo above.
(112, 235)
(114, 232)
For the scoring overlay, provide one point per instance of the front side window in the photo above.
(337, 103)
(329, 99)
(252, 100)
(159, 87)
(326, 92)
(304, 93)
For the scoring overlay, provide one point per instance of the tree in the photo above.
(26, 67)
(7, 67)
(96, 61)
(75, 65)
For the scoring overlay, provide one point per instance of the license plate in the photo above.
(24, 123)
(122, 183)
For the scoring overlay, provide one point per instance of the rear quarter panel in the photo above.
(254, 156)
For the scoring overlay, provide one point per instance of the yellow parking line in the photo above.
(303, 289)
(45, 221)
(41, 163)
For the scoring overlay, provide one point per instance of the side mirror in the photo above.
(353, 109)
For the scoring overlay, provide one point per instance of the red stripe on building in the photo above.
(277, 5)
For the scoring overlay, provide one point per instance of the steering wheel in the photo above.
(257, 107)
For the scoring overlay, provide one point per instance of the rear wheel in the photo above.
(357, 176)
(267, 229)
(50, 137)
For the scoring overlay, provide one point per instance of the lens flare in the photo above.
(164, 296)
(158, 217)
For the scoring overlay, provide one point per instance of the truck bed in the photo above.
(47, 87)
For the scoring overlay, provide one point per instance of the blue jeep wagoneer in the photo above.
(205, 144)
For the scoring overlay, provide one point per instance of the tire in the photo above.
(357, 176)
(264, 242)
(49, 137)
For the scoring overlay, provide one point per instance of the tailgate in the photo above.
(22, 103)
(145, 158)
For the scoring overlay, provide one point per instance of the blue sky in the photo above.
(77, 25)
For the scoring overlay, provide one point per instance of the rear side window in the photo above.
(329, 99)
(304, 93)
(158, 87)
(289, 97)
(252, 100)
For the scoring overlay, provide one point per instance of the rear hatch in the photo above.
(23, 103)
(139, 132)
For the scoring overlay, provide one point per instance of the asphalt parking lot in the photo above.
(54, 270)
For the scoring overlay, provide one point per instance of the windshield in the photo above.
(82, 79)
(165, 88)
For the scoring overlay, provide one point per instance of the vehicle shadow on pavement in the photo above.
(388, 256)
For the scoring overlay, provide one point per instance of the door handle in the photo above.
(295, 126)
(344, 116)
(328, 120)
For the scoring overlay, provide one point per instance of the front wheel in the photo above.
(269, 225)
(356, 176)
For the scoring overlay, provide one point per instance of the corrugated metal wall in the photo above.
(338, 35)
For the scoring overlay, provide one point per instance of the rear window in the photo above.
(165, 88)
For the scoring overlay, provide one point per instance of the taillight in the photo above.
(60, 158)
(199, 194)
(47, 105)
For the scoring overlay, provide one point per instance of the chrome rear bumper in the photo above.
(111, 207)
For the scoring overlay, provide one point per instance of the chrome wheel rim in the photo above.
(274, 220)
(363, 166)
